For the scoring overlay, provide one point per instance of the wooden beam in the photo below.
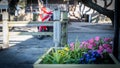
(30, 33)
(30, 22)
(27, 23)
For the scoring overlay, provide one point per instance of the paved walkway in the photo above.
(26, 52)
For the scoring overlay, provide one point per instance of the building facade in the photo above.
(3, 8)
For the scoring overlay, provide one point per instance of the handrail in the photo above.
(6, 33)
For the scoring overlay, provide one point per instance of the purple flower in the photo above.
(94, 52)
(81, 59)
(98, 55)
(93, 59)
(90, 57)
(90, 51)
(87, 56)
(87, 60)
(97, 38)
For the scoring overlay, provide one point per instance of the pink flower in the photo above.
(71, 48)
(109, 50)
(84, 43)
(101, 48)
(72, 44)
(99, 51)
(97, 38)
(106, 46)
(81, 46)
(94, 44)
(90, 46)
(107, 39)
(91, 41)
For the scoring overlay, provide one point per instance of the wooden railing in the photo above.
(6, 33)
(59, 30)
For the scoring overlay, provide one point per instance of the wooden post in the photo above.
(56, 15)
(64, 23)
(5, 31)
(57, 33)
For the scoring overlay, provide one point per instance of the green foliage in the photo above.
(64, 55)
(56, 57)
(75, 53)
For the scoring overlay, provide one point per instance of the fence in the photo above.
(59, 30)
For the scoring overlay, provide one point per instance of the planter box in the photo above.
(38, 64)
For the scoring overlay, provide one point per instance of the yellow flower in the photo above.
(66, 49)
(61, 52)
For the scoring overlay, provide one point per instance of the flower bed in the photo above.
(85, 54)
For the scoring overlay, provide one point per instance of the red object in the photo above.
(47, 16)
